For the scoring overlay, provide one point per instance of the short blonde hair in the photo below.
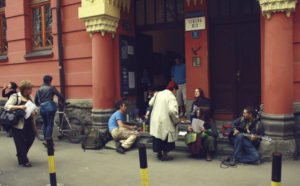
(24, 85)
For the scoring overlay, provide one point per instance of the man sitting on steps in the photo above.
(126, 134)
(246, 130)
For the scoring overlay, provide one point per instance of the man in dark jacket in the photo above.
(44, 94)
(246, 130)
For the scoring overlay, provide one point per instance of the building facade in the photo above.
(239, 52)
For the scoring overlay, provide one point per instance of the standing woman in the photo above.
(164, 118)
(9, 89)
(24, 131)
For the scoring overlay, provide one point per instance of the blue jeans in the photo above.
(244, 150)
(48, 121)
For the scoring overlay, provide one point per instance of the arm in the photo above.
(58, 94)
(11, 104)
(4, 93)
(36, 99)
(151, 102)
(121, 124)
(173, 110)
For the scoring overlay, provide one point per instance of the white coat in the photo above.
(164, 116)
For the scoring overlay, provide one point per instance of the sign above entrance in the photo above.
(195, 23)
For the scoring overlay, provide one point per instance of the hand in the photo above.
(236, 132)
(34, 113)
(190, 128)
(202, 129)
(23, 107)
(253, 137)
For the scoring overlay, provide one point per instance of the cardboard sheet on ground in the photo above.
(197, 124)
(30, 107)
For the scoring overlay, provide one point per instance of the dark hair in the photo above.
(205, 115)
(13, 85)
(119, 104)
(47, 79)
(250, 110)
(202, 95)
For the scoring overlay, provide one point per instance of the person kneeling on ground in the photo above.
(244, 137)
(205, 143)
(120, 131)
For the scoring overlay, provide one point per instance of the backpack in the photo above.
(95, 139)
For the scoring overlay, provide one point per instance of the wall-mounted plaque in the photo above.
(196, 61)
(195, 23)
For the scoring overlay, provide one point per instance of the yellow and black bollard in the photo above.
(276, 169)
(143, 165)
(51, 164)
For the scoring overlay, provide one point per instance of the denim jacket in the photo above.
(46, 93)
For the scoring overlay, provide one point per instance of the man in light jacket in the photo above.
(164, 118)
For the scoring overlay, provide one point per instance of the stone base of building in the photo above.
(288, 148)
(281, 128)
(100, 117)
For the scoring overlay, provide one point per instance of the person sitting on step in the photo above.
(244, 136)
(120, 131)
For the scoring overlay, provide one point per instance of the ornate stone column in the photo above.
(101, 19)
(277, 81)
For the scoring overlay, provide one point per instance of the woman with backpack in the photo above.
(24, 132)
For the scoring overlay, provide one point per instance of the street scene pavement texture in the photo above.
(107, 168)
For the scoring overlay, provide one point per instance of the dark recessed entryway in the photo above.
(234, 56)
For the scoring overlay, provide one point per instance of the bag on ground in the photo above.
(95, 139)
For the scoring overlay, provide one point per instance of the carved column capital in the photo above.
(273, 6)
(102, 16)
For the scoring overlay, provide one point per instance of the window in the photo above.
(3, 28)
(42, 26)
(2, 3)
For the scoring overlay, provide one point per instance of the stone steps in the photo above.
(224, 147)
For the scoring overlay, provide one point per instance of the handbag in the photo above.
(48, 106)
(9, 118)
(190, 137)
(226, 130)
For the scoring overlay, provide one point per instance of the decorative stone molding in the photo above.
(272, 6)
(102, 16)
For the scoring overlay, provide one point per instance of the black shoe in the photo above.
(258, 162)
(159, 155)
(121, 150)
(118, 144)
(27, 164)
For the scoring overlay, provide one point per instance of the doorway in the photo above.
(234, 56)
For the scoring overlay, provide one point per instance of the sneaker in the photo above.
(121, 150)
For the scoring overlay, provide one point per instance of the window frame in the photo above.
(3, 39)
(40, 4)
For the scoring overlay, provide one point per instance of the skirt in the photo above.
(160, 145)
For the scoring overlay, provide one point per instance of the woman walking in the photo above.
(24, 131)
(164, 118)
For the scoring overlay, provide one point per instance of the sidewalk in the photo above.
(107, 168)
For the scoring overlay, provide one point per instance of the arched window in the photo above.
(3, 28)
(41, 24)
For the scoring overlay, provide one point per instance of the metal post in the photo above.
(276, 169)
(143, 165)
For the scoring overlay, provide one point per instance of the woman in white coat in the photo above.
(164, 118)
